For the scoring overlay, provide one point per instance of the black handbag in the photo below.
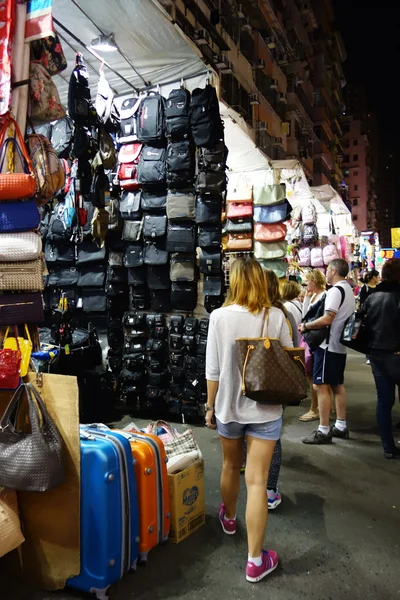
(114, 290)
(59, 254)
(176, 342)
(315, 337)
(182, 267)
(20, 308)
(184, 296)
(158, 277)
(88, 252)
(239, 225)
(137, 320)
(201, 346)
(62, 276)
(355, 334)
(117, 275)
(154, 226)
(203, 326)
(210, 261)
(137, 275)
(213, 302)
(176, 324)
(155, 253)
(208, 209)
(130, 206)
(181, 237)
(133, 255)
(93, 300)
(70, 293)
(117, 305)
(210, 236)
(153, 201)
(213, 285)
(190, 326)
(189, 343)
(138, 297)
(115, 259)
(160, 300)
(93, 276)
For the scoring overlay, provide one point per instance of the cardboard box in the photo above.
(186, 492)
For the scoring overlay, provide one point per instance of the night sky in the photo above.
(371, 33)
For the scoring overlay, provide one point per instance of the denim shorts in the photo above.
(263, 431)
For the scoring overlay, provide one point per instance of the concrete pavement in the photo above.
(337, 530)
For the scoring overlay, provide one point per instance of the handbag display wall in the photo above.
(267, 195)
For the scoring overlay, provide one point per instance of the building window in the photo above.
(356, 188)
(355, 142)
(355, 218)
(355, 157)
(346, 158)
(355, 173)
(355, 202)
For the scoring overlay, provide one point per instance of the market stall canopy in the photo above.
(330, 198)
(244, 156)
(151, 50)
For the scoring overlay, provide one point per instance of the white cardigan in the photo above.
(226, 325)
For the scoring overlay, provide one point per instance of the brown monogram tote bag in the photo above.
(271, 374)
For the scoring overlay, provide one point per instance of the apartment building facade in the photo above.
(280, 65)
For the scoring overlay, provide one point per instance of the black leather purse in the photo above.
(181, 237)
(158, 277)
(153, 201)
(210, 236)
(210, 261)
(155, 253)
(213, 285)
(133, 255)
(92, 276)
(208, 209)
(154, 226)
(184, 296)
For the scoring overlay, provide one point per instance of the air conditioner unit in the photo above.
(277, 141)
(202, 37)
(246, 26)
(227, 69)
(263, 126)
(260, 64)
(254, 99)
(270, 41)
(283, 97)
(274, 84)
(240, 11)
(220, 61)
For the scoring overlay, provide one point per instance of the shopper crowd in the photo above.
(250, 430)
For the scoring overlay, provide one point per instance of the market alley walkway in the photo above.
(337, 530)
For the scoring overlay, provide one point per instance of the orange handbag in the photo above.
(240, 241)
(274, 232)
(15, 186)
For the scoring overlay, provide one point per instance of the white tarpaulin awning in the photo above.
(154, 51)
(329, 197)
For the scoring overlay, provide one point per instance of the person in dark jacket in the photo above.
(371, 280)
(382, 318)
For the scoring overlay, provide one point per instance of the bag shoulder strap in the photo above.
(299, 309)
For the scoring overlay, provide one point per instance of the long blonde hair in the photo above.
(248, 285)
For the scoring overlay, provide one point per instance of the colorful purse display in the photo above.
(267, 195)
(239, 193)
(274, 232)
(15, 186)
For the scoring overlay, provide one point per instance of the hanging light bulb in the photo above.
(104, 43)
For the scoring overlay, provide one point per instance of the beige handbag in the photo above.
(10, 527)
(22, 276)
(240, 193)
(240, 241)
(271, 250)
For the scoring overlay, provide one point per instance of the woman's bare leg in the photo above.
(232, 456)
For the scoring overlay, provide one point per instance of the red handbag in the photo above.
(15, 186)
(238, 210)
(274, 232)
(10, 366)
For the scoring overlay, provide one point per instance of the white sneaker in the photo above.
(274, 499)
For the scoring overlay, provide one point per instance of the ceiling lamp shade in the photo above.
(104, 43)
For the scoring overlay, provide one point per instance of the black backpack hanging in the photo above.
(80, 107)
(180, 163)
(152, 168)
(205, 120)
(151, 118)
(177, 114)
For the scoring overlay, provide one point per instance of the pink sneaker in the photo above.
(228, 525)
(269, 564)
(274, 499)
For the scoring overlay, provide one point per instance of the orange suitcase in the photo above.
(150, 463)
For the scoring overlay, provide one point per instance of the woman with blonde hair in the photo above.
(237, 417)
(316, 289)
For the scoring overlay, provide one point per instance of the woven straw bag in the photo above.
(17, 247)
(10, 527)
(21, 276)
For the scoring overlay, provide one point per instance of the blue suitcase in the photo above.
(109, 511)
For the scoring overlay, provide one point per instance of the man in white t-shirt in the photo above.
(330, 357)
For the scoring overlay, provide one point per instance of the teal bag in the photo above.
(279, 267)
